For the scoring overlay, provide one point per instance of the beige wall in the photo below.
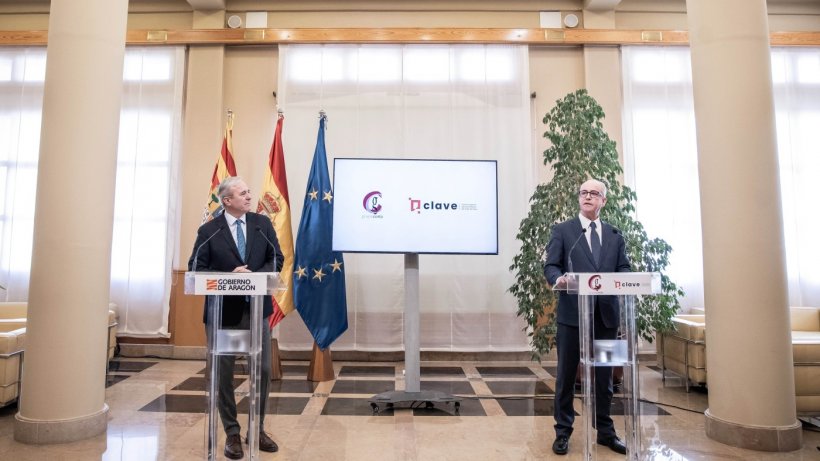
(251, 75)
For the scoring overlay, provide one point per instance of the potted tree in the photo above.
(581, 149)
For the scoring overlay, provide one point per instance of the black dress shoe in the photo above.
(233, 447)
(561, 445)
(614, 443)
(266, 443)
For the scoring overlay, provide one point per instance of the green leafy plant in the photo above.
(580, 150)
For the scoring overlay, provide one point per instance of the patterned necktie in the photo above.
(595, 243)
(240, 239)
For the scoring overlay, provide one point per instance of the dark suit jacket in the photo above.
(613, 259)
(220, 254)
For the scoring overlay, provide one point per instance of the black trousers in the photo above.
(569, 356)
(226, 401)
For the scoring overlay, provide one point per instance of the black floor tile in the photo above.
(110, 380)
(198, 383)
(442, 371)
(239, 368)
(504, 371)
(295, 370)
(449, 387)
(356, 386)
(178, 404)
(278, 405)
(467, 407)
(291, 386)
(527, 407)
(353, 407)
(644, 408)
(351, 370)
(120, 365)
(520, 387)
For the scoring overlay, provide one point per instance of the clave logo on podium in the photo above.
(620, 283)
(595, 282)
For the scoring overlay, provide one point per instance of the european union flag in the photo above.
(319, 273)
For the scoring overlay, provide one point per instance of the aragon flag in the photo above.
(224, 167)
(275, 204)
(319, 272)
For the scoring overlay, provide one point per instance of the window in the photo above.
(661, 154)
(145, 215)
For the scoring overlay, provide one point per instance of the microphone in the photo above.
(569, 257)
(262, 233)
(196, 253)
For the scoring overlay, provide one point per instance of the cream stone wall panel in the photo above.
(183, 20)
(794, 23)
(651, 21)
(251, 77)
(317, 19)
(26, 21)
(554, 72)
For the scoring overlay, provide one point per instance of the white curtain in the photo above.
(145, 204)
(416, 101)
(661, 159)
(796, 78)
(145, 223)
(22, 75)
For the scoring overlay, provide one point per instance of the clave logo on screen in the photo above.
(416, 205)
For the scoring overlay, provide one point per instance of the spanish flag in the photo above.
(275, 204)
(224, 167)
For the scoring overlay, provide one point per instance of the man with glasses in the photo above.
(602, 251)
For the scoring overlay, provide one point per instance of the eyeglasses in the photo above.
(590, 193)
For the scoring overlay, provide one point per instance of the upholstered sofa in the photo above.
(12, 342)
(805, 323)
(683, 352)
(12, 345)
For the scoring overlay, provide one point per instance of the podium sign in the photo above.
(617, 352)
(231, 283)
(618, 283)
(227, 341)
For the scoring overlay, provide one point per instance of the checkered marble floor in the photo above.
(523, 390)
(158, 412)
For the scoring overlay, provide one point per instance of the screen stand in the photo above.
(412, 392)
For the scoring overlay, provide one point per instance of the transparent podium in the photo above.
(224, 341)
(620, 352)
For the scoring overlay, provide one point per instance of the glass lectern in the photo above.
(225, 341)
(620, 352)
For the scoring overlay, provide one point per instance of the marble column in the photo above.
(749, 354)
(63, 386)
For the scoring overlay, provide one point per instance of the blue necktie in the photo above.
(594, 243)
(240, 239)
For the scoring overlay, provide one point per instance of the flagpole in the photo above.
(321, 361)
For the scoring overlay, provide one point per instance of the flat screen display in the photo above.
(415, 206)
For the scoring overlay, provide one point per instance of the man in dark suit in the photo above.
(584, 244)
(239, 241)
